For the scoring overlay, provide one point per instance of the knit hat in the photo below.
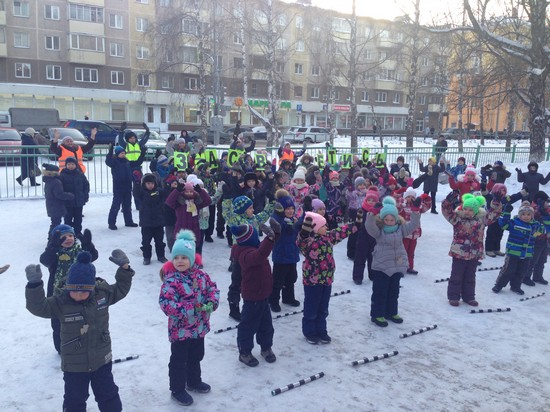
(318, 220)
(149, 177)
(410, 192)
(245, 235)
(473, 202)
(250, 176)
(119, 150)
(71, 159)
(129, 134)
(540, 195)
(389, 208)
(470, 170)
(192, 179)
(162, 159)
(462, 159)
(499, 163)
(359, 181)
(188, 186)
(185, 245)
(432, 159)
(48, 167)
(400, 159)
(526, 208)
(373, 193)
(533, 164)
(169, 179)
(317, 204)
(333, 175)
(392, 181)
(63, 229)
(65, 139)
(237, 168)
(240, 204)
(180, 140)
(498, 187)
(199, 182)
(81, 275)
(30, 131)
(299, 174)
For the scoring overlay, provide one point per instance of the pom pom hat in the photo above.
(317, 204)
(318, 220)
(185, 245)
(389, 208)
(245, 235)
(81, 275)
(472, 202)
(410, 192)
(526, 208)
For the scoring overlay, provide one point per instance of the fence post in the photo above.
(513, 153)
(386, 152)
(477, 154)
(548, 153)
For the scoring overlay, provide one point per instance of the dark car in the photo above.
(105, 133)
(247, 132)
(225, 138)
(10, 146)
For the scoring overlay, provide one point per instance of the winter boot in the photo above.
(146, 261)
(234, 311)
(183, 398)
(380, 322)
(268, 355)
(325, 338)
(248, 359)
(528, 282)
(454, 302)
(275, 307)
(395, 319)
(541, 280)
(490, 253)
(202, 387)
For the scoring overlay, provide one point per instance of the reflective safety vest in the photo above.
(69, 153)
(286, 156)
(133, 151)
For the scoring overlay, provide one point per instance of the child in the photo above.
(389, 258)
(55, 195)
(58, 257)
(540, 252)
(466, 183)
(257, 283)
(188, 296)
(335, 197)
(75, 182)
(469, 221)
(519, 247)
(430, 178)
(355, 199)
(364, 245)
(83, 308)
(151, 217)
(316, 244)
(122, 186)
(459, 169)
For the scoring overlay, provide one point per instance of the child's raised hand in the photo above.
(34, 273)
(119, 258)
(275, 226)
(56, 240)
(452, 197)
(377, 208)
(266, 230)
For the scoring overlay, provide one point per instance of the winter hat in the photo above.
(318, 220)
(462, 159)
(333, 175)
(65, 139)
(224, 154)
(199, 182)
(63, 229)
(359, 181)
(389, 208)
(185, 245)
(71, 159)
(533, 164)
(240, 204)
(410, 192)
(299, 174)
(81, 275)
(128, 135)
(526, 208)
(250, 176)
(470, 170)
(149, 177)
(392, 181)
(432, 159)
(48, 167)
(237, 168)
(192, 179)
(499, 163)
(498, 187)
(400, 159)
(472, 202)
(373, 193)
(317, 204)
(162, 159)
(169, 179)
(119, 150)
(180, 140)
(188, 186)
(245, 235)
(30, 131)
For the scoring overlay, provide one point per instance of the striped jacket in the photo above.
(521, 239)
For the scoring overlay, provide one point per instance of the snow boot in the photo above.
(199, 388)
(268, 355)
(183, 398)
(248, 359)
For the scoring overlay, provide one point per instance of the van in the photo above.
(38, 119)
(5, 119)
(309, 134)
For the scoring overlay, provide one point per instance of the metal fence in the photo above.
(99, 174)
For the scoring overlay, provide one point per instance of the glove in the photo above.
(158, 152)
(304, 146)
(275, 226)
(278, 207)
(518, 170)
(453, 196)
(198, 188)
(145, 126)
(266, 230)
(119, 258)
(34, 273)
(307, 226)
(377, 208)
(308, 206)
(56, 240)
(483, 186)
(207, 307)
(359, 218)
(417, 202)
(86, 239)
(508, 208)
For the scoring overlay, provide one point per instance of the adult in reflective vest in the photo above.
(286, 153)
(135, 151)
(65, 147)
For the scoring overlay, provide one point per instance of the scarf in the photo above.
(65, 258)
(390, 229)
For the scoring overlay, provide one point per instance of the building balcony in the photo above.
(2, 17)
(100, 3)
(3, 50)
(87, 57)
(93, 29)
(434, 108)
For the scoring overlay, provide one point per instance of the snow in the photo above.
(471, 362)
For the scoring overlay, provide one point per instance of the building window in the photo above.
(254, 88)
(142, 52)
(336, 94)
(419, 126)
(21, 40)
(143, 80)
(86, 13)
(165, 3)
(190, 27)
(167, 82)
(115, 21)
(383, 55)
(82, 74)
(425, 61)
(53, 72)
(300, 46)
(85, 42)
(281, 44)
(117, 77)
(280, 67)
(238, 62)
(421, 100)
(51, 12)
(118, 112)
(237, 38)
(52, 42)
(299, 22)
(189, 54)
(297, 91)
(23, 70)
(364, 96)
(397, 98)
(21, 8)
(341, 25)
(298, 68)
(315, 70)
(142, 24)
(314, 93)
(190, 83)
(142, 1)
(368, 54)
(116, 50)
(2, 35)
(381, 97)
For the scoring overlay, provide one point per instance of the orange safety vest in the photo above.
(286, 156)
(68, 153)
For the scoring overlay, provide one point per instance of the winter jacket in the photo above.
(181, 295)
(432, 176)
(468, 233)
(187, 219)
(64, 151)
(298, 195)
(233, 219)
(85, 338)
(121, 172)
(257, 278)
(75, 182)
(457, 170)
(405, 208)
(389, 255)
(463, 185)
(531, 182)
(319, 265)
(151, 210)
(55, 196)
(285, 250)
(521, 239)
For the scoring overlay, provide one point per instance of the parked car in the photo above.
(518, 134)
(78, 138)
(105, 133)
(154, 142)
(309, 134)
(225, 138)
(453, 132)
(10, 146)
(247, 133)
(260, 132)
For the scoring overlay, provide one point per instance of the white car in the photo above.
(309, 134)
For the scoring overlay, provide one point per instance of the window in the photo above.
(165, 3)
(281, 20)
(424, 81)
(51, 12)
(397, 98)
(219, 61)
(21, 40)
(280, 67)
(189, 54)
(364, 96)
(23, 70)
(297, 91)
(82, 74)
(314, 93)
(86, 13)
(190, 27)
(53, 72)
(190, 83)
(168, 56)
(167, 82)
(281, 44)
(142, 52)
(143, 80)
(142, 1)
(387, 74)
(300, 46)
(299, 22)
(384, 34)
(254, 89)
(421, 100)
(341, 25)
(117, 77)
(238, 62)
(86, 42)
(142, 24)
(425, 61)
(52, 42)
(336, 94)
(368, 54)
(381, 97)
(2, 35)
(21, 9)
(116, 50)
(237, 39)
(115, 21)
(419, 125)
(383, 55)
(298, 68)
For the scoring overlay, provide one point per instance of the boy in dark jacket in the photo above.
(151, 217)
(83, 309)
(56, 197)
(75, 182)
(256, 286)
(122, 186)
(532, 179)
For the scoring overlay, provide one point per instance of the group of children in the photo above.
(298, 210)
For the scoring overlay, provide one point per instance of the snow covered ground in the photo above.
(471, 362)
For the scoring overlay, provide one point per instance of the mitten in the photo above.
(198, 188)
(308, 206)
(518, 170)
(207, 307)
(497, 197)
(278, 207)
(424, 197)
(266, 230)
(34, 273)
(276, 226)
(377, 208)
(307, 226)
(417, 202)
(483, 186)
(86, 239)
(508, 208)
(145, 126)
(452, 197)
(56, 240)
(119, 258)
(359, 218)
